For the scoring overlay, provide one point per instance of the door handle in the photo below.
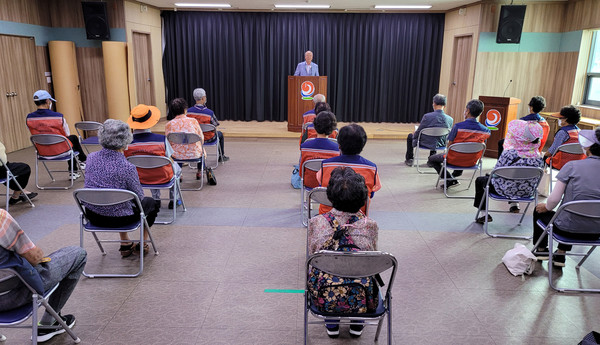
(454, 83)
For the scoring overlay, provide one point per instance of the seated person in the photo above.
(521, 148)
(64, 266)
(108, 168)
(142, 118)
(309, 116)
(469, 130)
(536, 104)
(22, 172)
(568, 133)
(577, 180)
(46, 121)
(180, 123)
(202, 114)
(437, 118)
(348, 193)
(319, 147)
(308, 129)
(352, 140)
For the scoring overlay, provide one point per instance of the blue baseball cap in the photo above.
(41, 95)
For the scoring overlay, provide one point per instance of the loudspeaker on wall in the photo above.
(510, 25)
(96, 20)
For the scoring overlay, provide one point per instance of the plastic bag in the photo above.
(519, 260)
(296, 180)
(544, 185)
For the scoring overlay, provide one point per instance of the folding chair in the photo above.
(316, 195)
(585, 210)
(54, 148)
(82, 128)
(108, 197)
(465, 148)
(10, 177)
(9, 280)
(573, 148)
(182, 138)
(352, 265)
(153, 162)
(519, 173)
(207, 127)
(431, 132)
(313, 165)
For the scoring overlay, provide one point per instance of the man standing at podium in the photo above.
(307, 68)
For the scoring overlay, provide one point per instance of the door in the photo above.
(459, 78)
(142, 57)
(18, 82)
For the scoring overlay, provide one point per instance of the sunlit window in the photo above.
(592, 85)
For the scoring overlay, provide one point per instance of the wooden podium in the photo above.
(497, 113)
(301, 90)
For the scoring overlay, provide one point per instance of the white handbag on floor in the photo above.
(519, 260)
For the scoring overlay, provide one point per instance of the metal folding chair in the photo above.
(108, 197)
(45, 143)
(583, 209)
(313, 165)
(573, 148)
(82, 128)
(181, 138)
(466, 148)
(154, 162)
(430, 132)
(9, 179)
(352, 265)
(207, 127)
(10, 280)
(519, 173)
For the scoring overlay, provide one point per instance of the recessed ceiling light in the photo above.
(301, 6)
(402, 7)
(183, 4)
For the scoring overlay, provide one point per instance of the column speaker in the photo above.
(510, 25)
(96, 20)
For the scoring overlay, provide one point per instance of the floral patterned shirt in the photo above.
(514, 188)
(182, 123)
(364, 232)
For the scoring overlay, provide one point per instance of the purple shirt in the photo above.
(110, 169)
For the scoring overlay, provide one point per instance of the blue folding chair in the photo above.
(10, 280)
(439, 132)
(83, 128)
(10, 179)
(313, 165)
(182, 138)
(472, 148)
(40, 141)
(207, 127)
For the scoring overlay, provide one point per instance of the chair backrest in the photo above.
(208, 127)
(319, 195)
(87, 126)
(183, 138)
(585, 212)
(312, 165)
(572, 148)
(518, 173)
(148, 161)
(353, 264)
(48, 139)
(468, 147)
(105, 197)
(434, 131)
(50, 144)
(9, 280)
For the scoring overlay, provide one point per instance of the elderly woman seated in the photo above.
(348, 193)
(521, 148)
(577, 180)
(108, 168)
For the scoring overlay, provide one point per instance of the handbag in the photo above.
(210, 176)
(519, 260)
(296, 180)
(544, 185)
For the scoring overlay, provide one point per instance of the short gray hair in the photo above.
(199, 93)
(319, 98)
(115, 135)
(439, 99)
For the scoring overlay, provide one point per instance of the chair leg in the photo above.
(585, 257)
(524, 211)
(305, 319)
(60, 321)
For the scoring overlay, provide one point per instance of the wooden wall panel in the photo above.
(24, 11)
(539, 17)
(594, 113)
(582, 14)
(69, 14)
(90, 66)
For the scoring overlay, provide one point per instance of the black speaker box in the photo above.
(510, 25)
(96, 20)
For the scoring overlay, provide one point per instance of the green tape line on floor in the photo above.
(284, 291)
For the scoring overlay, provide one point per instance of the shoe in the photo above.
(30, 196)
(481, 220)
(558, 260)
(82, 165)
(74, 176)
(171, 204)
(541, 254)
(47, 334)
(450, 184)
(136, 248)
(409, 162)
(13, 201)
(333, 332)
(223, 158)
(514, 209)
(198, 176)
(356, 330)
(126, 250)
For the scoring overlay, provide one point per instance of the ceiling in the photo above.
(336, 5)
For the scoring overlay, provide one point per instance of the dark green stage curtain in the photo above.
(380, 67)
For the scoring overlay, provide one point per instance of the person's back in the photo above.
(203, 115)
(184, 124)
(568, 133)
(467, 131)
(46, 121)
(320, 147)
(151, 144)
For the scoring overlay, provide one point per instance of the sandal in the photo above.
(136, 248)
(126, 250)
(481, 220)
(514, 209)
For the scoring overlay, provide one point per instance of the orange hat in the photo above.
(143, 116)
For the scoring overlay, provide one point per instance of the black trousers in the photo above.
(436, 161)
(500, 147)
(21, 171)
(410, 154)
(546, 217)
(221, 141)
(76, 147)
(150, 210)
(480, 183)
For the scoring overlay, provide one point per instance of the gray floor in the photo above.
(244, 235)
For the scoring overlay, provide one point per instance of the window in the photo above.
(592, 84)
